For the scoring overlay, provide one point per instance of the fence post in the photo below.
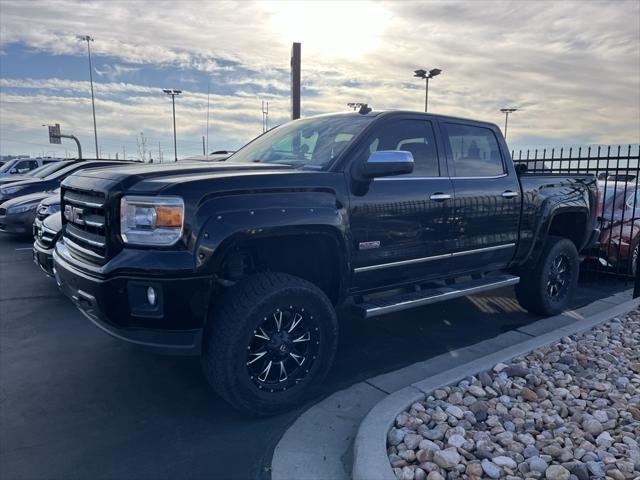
(636, 287)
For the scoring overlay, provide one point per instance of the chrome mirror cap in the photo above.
(385, 163)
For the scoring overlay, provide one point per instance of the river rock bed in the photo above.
(569, 411)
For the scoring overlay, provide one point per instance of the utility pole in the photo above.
(159, 153)
(204, 152)
(506, 112)
(88, 39)
(173, 93)
(296, 61)
(208, 89)
(124, 153)
(265, 117)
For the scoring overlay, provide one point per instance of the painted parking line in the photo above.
(24, 248)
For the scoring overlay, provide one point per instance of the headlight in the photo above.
(53, 208)
(10, 190)
(151, 220)
(23, 208)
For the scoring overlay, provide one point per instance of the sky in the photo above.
(571, 68)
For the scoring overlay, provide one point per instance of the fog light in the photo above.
(151, 296)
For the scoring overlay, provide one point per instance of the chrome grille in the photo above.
(46, 237)
(84, 214)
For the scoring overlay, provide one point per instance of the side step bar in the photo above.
(382, 306)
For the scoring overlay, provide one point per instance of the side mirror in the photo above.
(386, 163)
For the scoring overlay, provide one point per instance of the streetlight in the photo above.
(172, 92)
(427, 75)
(88, 39)
(506, 112)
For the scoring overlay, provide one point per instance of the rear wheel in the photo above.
(547, 288)
(269, 343)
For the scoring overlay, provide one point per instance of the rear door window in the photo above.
(475, 151)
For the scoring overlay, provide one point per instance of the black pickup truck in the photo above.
(245, 263)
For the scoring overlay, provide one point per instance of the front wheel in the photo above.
(269, 343)
(548, 287)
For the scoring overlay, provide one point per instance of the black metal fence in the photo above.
(617, 170)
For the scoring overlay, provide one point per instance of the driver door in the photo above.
(401, 224)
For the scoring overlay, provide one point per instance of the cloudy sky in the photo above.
(572, 68)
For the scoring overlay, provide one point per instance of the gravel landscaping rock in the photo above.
(568, 411)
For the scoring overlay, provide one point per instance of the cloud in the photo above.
(572, 68)
(115, 71)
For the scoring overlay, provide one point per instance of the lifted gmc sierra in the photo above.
(245, 263)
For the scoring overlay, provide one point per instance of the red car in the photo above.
(620, 225)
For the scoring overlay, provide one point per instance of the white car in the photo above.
(21, 166)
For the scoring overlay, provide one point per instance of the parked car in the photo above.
(52, 181)
(47, 231)
(620, 226)
(245, 264)
(20, 166)
(40, 172)
(18, 214)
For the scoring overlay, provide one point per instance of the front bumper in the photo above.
(43, 257)
(117, 306)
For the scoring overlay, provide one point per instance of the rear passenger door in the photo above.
(486, 210)
(400, 225)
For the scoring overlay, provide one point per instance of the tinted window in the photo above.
(475, 151)
(26, 165)
(415, 136)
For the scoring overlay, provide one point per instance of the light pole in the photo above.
(506, 112)
(426, 75)
(88, 39)
(172, 92)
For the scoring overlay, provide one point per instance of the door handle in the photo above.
(440, 197)
(510, 194)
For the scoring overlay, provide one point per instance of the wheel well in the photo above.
(569, 225)
(315, 258)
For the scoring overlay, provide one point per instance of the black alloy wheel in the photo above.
(283, 348)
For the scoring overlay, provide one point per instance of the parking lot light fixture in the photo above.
(506, 112)
(421, 73)
(173, 93)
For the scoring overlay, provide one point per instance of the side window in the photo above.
(26, 165)
(415, 136)
(634, 200)
(475, 151)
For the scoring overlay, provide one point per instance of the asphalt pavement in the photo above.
(76, 404)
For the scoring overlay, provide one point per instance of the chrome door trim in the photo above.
(481, 250)
(400, 263)
(429, 259)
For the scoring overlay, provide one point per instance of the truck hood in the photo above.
(153, 178)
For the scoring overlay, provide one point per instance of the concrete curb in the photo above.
(370, 446)
(320, 443)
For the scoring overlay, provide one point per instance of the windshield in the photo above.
(8, 166)
(47, 169)
(314, 141)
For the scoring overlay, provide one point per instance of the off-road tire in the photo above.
(533, 290)
(231, 329)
